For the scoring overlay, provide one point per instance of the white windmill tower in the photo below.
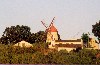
(52, 33)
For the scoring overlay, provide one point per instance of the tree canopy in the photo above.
(85, 39)
(17, 33)
(96, 30)
(41, 36)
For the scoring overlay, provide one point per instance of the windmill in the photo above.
(48, 27)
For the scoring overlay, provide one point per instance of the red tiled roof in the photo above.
(78, 40)
(69, 45)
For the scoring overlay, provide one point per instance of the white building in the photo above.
(52, 37)
(23, 44)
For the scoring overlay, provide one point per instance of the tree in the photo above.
(59, 37)
(40, 36)
(96, 30)
(85, 39)
(15, 34)
(32, 38)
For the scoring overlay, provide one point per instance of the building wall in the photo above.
(53, 42)
(23, 44)
(52, 36)
(52, 45)
(64, 48)
(94, 44)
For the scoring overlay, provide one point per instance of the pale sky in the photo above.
(73, 17)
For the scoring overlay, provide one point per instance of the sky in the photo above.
(72, 17)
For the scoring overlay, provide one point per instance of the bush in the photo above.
(36, 55)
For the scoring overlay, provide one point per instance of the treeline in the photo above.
(40, 54)
(17, 33)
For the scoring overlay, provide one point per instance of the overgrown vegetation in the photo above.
(40, 54)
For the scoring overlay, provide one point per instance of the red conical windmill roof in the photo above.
(52, 29)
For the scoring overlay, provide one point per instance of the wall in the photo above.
(52, 45)
(49, 36)
(94, 44)
(64, 48)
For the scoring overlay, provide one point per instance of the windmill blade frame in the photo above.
(52, 22)
(47, 28)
